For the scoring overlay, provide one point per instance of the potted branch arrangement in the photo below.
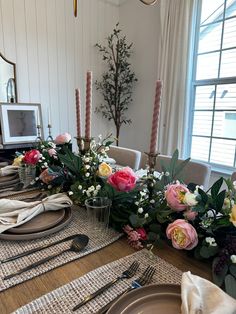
(117, 82)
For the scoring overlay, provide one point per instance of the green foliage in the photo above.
(117, 82)
(230, 285)
(71, 161)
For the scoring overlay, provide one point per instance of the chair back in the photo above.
(125, 156)
(233, 176)
(193, 172)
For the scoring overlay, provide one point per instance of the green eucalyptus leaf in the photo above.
(230, 285)
(218, 279)
(232, 269)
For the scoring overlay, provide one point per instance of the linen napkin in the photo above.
(5, 171)
(200, 296)
(14, 213)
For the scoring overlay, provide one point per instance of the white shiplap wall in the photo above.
(53, 50)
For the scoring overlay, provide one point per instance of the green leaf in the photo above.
(71, 161)
(216, 188)
(133, 220)
(208, 251)
(181, 166)
(152, 236)
(173, 162)
(218, 279)
(230, 285)
(220, 200)
(232, 269)
(203, 195)
(155, 228)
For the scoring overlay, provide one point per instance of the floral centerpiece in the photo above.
(151, 208)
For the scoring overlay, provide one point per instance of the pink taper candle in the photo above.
(78, 112)
(88, 105)
(155, 118)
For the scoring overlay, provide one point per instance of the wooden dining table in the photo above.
(19, 295)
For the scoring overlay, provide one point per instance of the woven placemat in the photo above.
(77, 225)
(63, 299)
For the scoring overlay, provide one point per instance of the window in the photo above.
(212, 135)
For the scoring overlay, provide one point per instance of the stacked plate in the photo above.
(40, 226)
(151, 299)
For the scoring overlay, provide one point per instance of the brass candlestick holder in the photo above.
(39, 138)
(151, 162)
(84, 144)
(49, 138)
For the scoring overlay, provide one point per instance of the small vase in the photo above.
(27, 174)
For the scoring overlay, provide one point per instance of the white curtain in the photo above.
(172, 69)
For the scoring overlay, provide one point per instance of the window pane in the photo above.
(211, 10)
(226, 146)
(226, 97)
(204, 97)
(202, 123)
(229, 38)
(210, 37)
(207, 66)
(230, 8)
(200, 148)
(228, 63)
(225, 124)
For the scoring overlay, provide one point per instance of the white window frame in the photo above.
(193, 83)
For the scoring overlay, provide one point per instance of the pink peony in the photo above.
(143, 234)
(123, 180)
(31, 157)
(52, 152)
(63, 139)
(175, 196)
(182, 234)
(190, 215)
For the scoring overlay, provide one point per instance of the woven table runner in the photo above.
(77, 225)
(63, 299)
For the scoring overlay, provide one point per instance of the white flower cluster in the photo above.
(91, 191)
(211, 241)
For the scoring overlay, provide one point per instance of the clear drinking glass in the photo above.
(98, 212)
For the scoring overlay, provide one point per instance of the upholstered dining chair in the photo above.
(233, 176)
(193, 172)
(125, 156)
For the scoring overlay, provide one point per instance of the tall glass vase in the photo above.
(27, 174)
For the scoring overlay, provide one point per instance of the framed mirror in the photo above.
(19, 122)
(8, 90)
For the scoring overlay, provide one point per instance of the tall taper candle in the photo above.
(155, 118)
(88, 105)
(78, 112)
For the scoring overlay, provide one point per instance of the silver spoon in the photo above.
(79, 243)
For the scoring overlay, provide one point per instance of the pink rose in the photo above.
(52, 152)
(63, 139)
(143, 234)
(175, 196)
(31, 157)
(182, 234)
(123, 180)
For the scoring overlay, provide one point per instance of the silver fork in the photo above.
(128, 273)
(143, 280)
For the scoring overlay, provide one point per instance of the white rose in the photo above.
(190, 199)
(152, 201)
(87, 174)
(146, 215)
(80, 187)
(87, 166)
(136, 203)
(98, 187)
(70, 193)
(140, 210)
